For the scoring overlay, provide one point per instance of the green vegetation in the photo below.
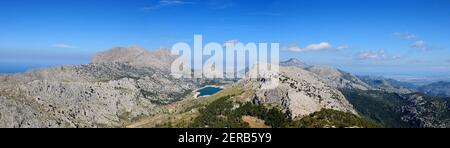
(328, 118)
(219, 114)
(379, 106)
(224, 113)
(388, 109)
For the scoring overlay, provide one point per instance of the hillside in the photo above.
(441, 89)
(389, 85)
(298, 92)
(332, 76)
(401, 110)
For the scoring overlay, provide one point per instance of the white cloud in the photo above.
(343, 47)
(231, 42)
(420, 44)
(63, 46)
(166, 3)
(311, 47)
(376, 55)
(372, 54)
(174, 2)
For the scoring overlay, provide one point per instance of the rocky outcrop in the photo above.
(298, 92)
(426, 112)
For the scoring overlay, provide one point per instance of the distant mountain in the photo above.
(294, 63)
(389, 85)
(136, 56)
(332, 76)
(441, 89)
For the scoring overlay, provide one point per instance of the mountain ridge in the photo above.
(441, 89)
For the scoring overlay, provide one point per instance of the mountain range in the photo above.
(132, 87)
(441, 89)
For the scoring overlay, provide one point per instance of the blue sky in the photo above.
(408, 39)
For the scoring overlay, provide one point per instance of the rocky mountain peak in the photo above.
(294, 62)
(119, 54)
(299, 92)
(136, 56)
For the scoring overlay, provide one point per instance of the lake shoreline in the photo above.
(197, 93)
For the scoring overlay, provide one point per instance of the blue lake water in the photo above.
(208, 91)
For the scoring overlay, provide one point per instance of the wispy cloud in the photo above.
(406, 36)
(264, 14)
(416, 42)
(421, 44)
(167, 3)
(375, 55)
(232, 42)
(342, 47)
(66, 46)
(311, 47)
(220, 4)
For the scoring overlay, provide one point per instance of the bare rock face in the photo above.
(108, 93)
(299, 93)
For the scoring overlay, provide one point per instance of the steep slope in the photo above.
(225, 113)
(338, 78)
(328, 118)
(299, 92)
(332, 76)
(441, 89)
(105, 94)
